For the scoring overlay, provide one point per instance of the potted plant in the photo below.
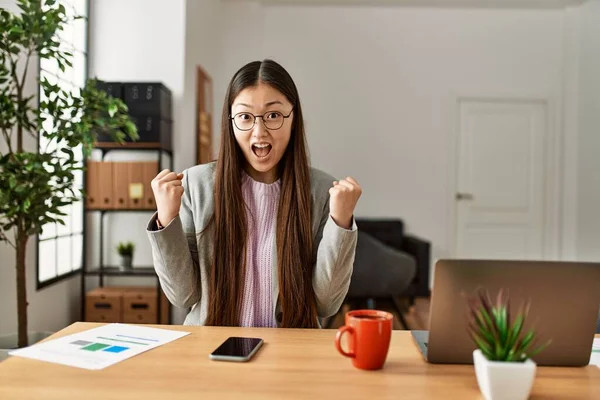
(36, 183)
(503, 358)
(125, 250)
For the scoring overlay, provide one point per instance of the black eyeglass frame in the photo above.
(262, 118)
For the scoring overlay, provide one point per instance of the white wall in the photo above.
(242, 42)
(377, 85)
(203, 48)
(53, 307)
(589, 135)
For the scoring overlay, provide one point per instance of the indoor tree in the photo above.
(37, 183)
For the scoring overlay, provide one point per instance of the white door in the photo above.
(500, 194)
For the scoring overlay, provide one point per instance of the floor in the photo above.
(416, 316)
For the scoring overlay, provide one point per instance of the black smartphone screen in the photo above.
(237, 347)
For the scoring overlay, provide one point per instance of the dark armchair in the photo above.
(388, 265)
(391, 232)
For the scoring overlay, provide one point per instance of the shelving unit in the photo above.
(101, 271)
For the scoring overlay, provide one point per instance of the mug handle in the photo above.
(338, 337)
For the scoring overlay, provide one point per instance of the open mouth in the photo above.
(261, 150)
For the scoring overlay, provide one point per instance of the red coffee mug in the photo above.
(369, 334)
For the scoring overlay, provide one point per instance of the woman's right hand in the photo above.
(168, 190)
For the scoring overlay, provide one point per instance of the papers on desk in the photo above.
(595, 358)
(100, 347)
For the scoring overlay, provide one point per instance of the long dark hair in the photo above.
(294, 234)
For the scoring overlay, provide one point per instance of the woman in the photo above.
(257, 238)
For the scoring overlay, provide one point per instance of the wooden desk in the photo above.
(291, 364)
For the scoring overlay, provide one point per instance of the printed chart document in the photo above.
(100, 347)
(595, 359)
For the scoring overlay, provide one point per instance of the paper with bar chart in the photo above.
(595, 357)
(100, 347)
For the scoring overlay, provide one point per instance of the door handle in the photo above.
(464, 196)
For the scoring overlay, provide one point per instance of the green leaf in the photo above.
(502, 324)
(483, 346)
(540, 348)
(489, 323)
(67, 151)
(16, 29)
(525, 342)
(487, 336)
(515, 332)
(131, 128)
(528, 338)
(20, 189)
(112, 110)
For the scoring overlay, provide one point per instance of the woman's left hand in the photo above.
(344, 196)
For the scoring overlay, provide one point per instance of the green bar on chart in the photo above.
(95, 347)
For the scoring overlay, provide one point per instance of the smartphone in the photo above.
(237, 349)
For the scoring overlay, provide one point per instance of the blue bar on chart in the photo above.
(116, 349)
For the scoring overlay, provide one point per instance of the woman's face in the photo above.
(262, 140)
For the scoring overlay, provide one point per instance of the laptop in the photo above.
(564, 296)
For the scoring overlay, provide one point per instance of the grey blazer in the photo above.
(182, 251)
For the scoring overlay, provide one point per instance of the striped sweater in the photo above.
(261, 200)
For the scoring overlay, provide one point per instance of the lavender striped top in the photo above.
(262, 200)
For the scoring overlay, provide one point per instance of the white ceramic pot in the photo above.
(503, 380)
(126, 263)
(9, 342)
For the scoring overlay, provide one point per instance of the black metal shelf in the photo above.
(117, 271)
(114, 271)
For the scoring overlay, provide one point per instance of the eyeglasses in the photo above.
(273, 120)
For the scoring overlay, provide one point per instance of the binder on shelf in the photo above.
(150, 171)
(148, 98)
(92, 198)
(113, 89)
(121, 185)
(105, 179)
(137, 185)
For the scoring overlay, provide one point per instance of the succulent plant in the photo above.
(125, 248)
(499, 337)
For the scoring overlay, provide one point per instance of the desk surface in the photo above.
(291, 364)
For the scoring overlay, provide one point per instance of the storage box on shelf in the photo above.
(114, 89)
(148, 98)
(126, 304)
(103, 305)
(150, 106)
(121, 187)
